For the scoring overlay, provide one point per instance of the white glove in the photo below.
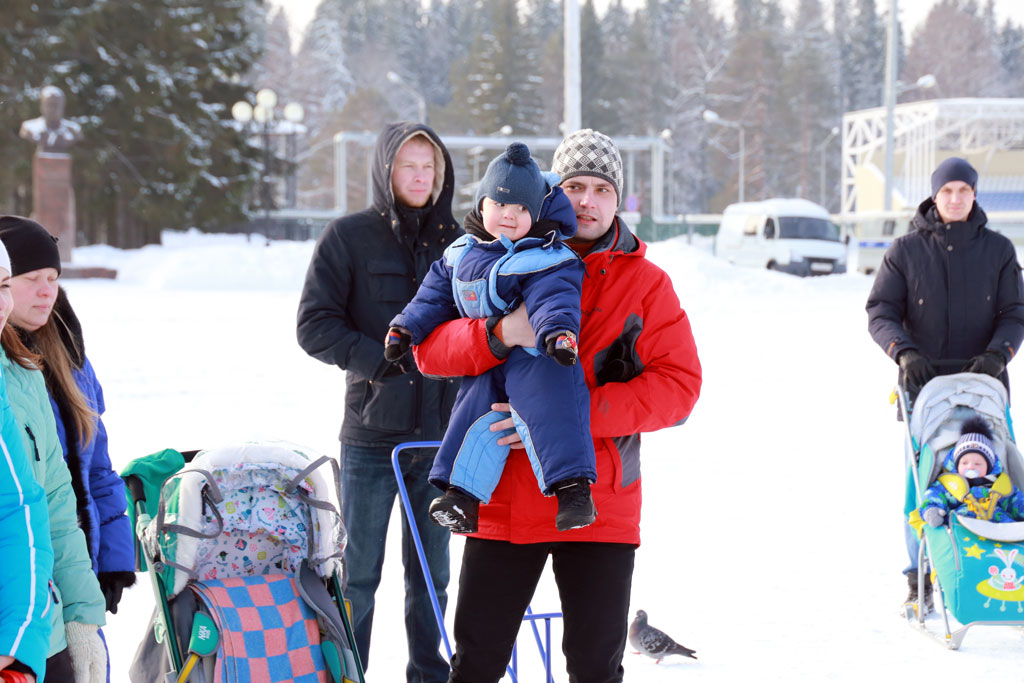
(88, 654)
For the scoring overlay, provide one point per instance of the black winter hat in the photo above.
(953, 168)
(514, 177)
(29, 245)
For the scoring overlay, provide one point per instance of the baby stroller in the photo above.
(977, 566)
(244, 545)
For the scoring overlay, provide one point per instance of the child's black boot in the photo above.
(456, 511)
(575, 504)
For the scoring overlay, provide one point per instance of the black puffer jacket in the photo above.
(365, 268)
(950, 291)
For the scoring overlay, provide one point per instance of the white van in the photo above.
(792, 235)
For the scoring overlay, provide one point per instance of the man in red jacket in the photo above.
(640, 364)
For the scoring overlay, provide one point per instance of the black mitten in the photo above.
(917, 369)
(113, 584)
(989, 363)
(396, 344)
(562, 347)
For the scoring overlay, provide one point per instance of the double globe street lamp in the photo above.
(264, 115)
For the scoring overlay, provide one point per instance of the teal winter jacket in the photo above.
(77, 589)
(25, 598)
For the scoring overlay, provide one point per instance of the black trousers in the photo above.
(498, 580)
(58, 667)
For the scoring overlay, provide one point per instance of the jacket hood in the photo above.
(390, 140)
(927, 217)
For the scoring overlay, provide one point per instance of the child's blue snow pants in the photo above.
(551, 411)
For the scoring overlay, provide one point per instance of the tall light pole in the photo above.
(890, 101)
(572, 111)
(822, 148)
(893, 89)
(712, 117)
(421, 102)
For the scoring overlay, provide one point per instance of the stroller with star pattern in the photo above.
(243, 546)
(976, 565)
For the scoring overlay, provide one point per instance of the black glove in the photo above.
(989, 363)
(402, 366)
(562, 347)
(396, 344)
(917, 369)
(112, 584)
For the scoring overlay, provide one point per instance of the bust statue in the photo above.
(51, 132)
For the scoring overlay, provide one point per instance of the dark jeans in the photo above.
(497, 582)
(369, 490)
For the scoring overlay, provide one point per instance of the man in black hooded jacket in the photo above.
(365, 268)
(950, 289)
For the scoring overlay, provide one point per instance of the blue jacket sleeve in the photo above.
(433, 304)
(25, 573)
(552, 298)
(935, 497)
(116, 549)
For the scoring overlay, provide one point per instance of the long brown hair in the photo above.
(57, 369)
(17, 351)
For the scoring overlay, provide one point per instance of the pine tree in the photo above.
(700, 45)
(152, 88)
(494, 85)
(864, 80)
(808, 85)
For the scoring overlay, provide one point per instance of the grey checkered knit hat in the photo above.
(588, 152)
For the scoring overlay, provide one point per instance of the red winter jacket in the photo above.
(640, 364)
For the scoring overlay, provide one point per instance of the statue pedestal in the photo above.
(53, 200)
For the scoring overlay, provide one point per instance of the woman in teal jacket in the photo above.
(76, 647)
(25, 599)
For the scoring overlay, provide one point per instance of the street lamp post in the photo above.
(821, 177)
(892, 91)
(712, 117)
(263, 114)
(421, 102)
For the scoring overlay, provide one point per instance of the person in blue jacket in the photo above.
(25, 573)
(974, 483)
(513, 254)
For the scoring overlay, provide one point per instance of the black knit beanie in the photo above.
(29, 244)
(953, 168)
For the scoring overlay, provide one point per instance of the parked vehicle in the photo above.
(792, 235)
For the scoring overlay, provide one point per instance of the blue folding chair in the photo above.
(544, 647)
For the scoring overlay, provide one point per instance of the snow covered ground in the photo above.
(771, 533)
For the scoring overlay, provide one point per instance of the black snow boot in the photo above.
(456, 511)
(575, 505)
(912, 594)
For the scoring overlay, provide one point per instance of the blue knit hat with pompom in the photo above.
(513, 177)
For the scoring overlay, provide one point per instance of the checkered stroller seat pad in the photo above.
(266, 631)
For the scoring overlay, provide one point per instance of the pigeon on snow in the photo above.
(652, 642)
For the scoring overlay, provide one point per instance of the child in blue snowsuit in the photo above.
(974, 484)
(512, 254)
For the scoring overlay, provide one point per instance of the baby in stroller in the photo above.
(974, 484)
